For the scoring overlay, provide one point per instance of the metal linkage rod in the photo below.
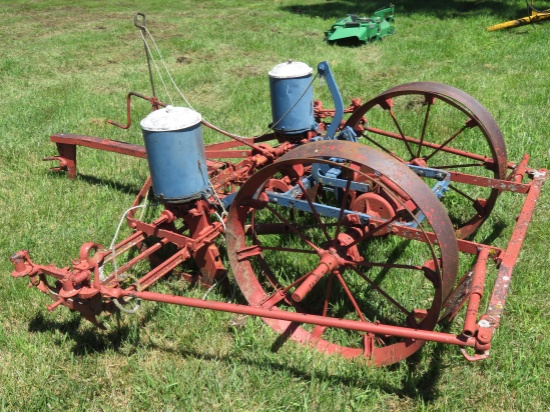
(377, 329)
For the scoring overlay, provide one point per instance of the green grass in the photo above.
(66, 67)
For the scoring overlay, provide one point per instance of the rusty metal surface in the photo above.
(377, 329)
(461, 101)
(325, 202)
(380, 164)
(491, 319)
(83, 286)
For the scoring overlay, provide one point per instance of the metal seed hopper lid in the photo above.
(290, 70)
(170, 118)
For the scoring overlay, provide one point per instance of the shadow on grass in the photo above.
(419, 380)
(440, 9)
(92, 180)
(87, 341)
(413, 384)
(92, 340)
(117, 185)
(351, 42)
(496, 232)
(424, 385)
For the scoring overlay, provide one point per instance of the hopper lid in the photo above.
(290, 69)
(170, 118)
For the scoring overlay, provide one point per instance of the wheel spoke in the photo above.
(384, 149)
(281, 293)
(426, 143)
(270, 276)
(287, 268)
(390, 266)
(328, 291)
(372, 232)
(291, 250)
(442, 142)
(458, 166)
(446, 142)
(349, 295)
(318, 330)
(460, 192)
(291, 227)
(313, 209)
(382, 292)
(403, 138)
(430, 102)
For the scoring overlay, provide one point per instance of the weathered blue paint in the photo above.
(291, 99)
(177, 162)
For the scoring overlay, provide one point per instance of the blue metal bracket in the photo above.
(324, 71)
(348, 134)
(328, 175)
(439, 189)
(443, 178)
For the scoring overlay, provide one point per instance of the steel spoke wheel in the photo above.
(439, 126)
(356, 236)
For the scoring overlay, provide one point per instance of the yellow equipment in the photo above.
(536, 16)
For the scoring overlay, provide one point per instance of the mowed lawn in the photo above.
(67, 67)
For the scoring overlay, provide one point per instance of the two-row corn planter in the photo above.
(343, 235)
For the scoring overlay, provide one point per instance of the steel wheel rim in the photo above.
(484, 126)
(257, 294)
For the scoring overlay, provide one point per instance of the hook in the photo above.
(143, 20)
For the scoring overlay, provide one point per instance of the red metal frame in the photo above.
(85, 289)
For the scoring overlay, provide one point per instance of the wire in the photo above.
(115, 267)
(138, 300)
(271, 127)
(211, 288)
(156, 67)
(166, 68)
(224, 213)
(112, 245)
(531, 8)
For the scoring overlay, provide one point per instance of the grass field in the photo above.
(67, 66)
